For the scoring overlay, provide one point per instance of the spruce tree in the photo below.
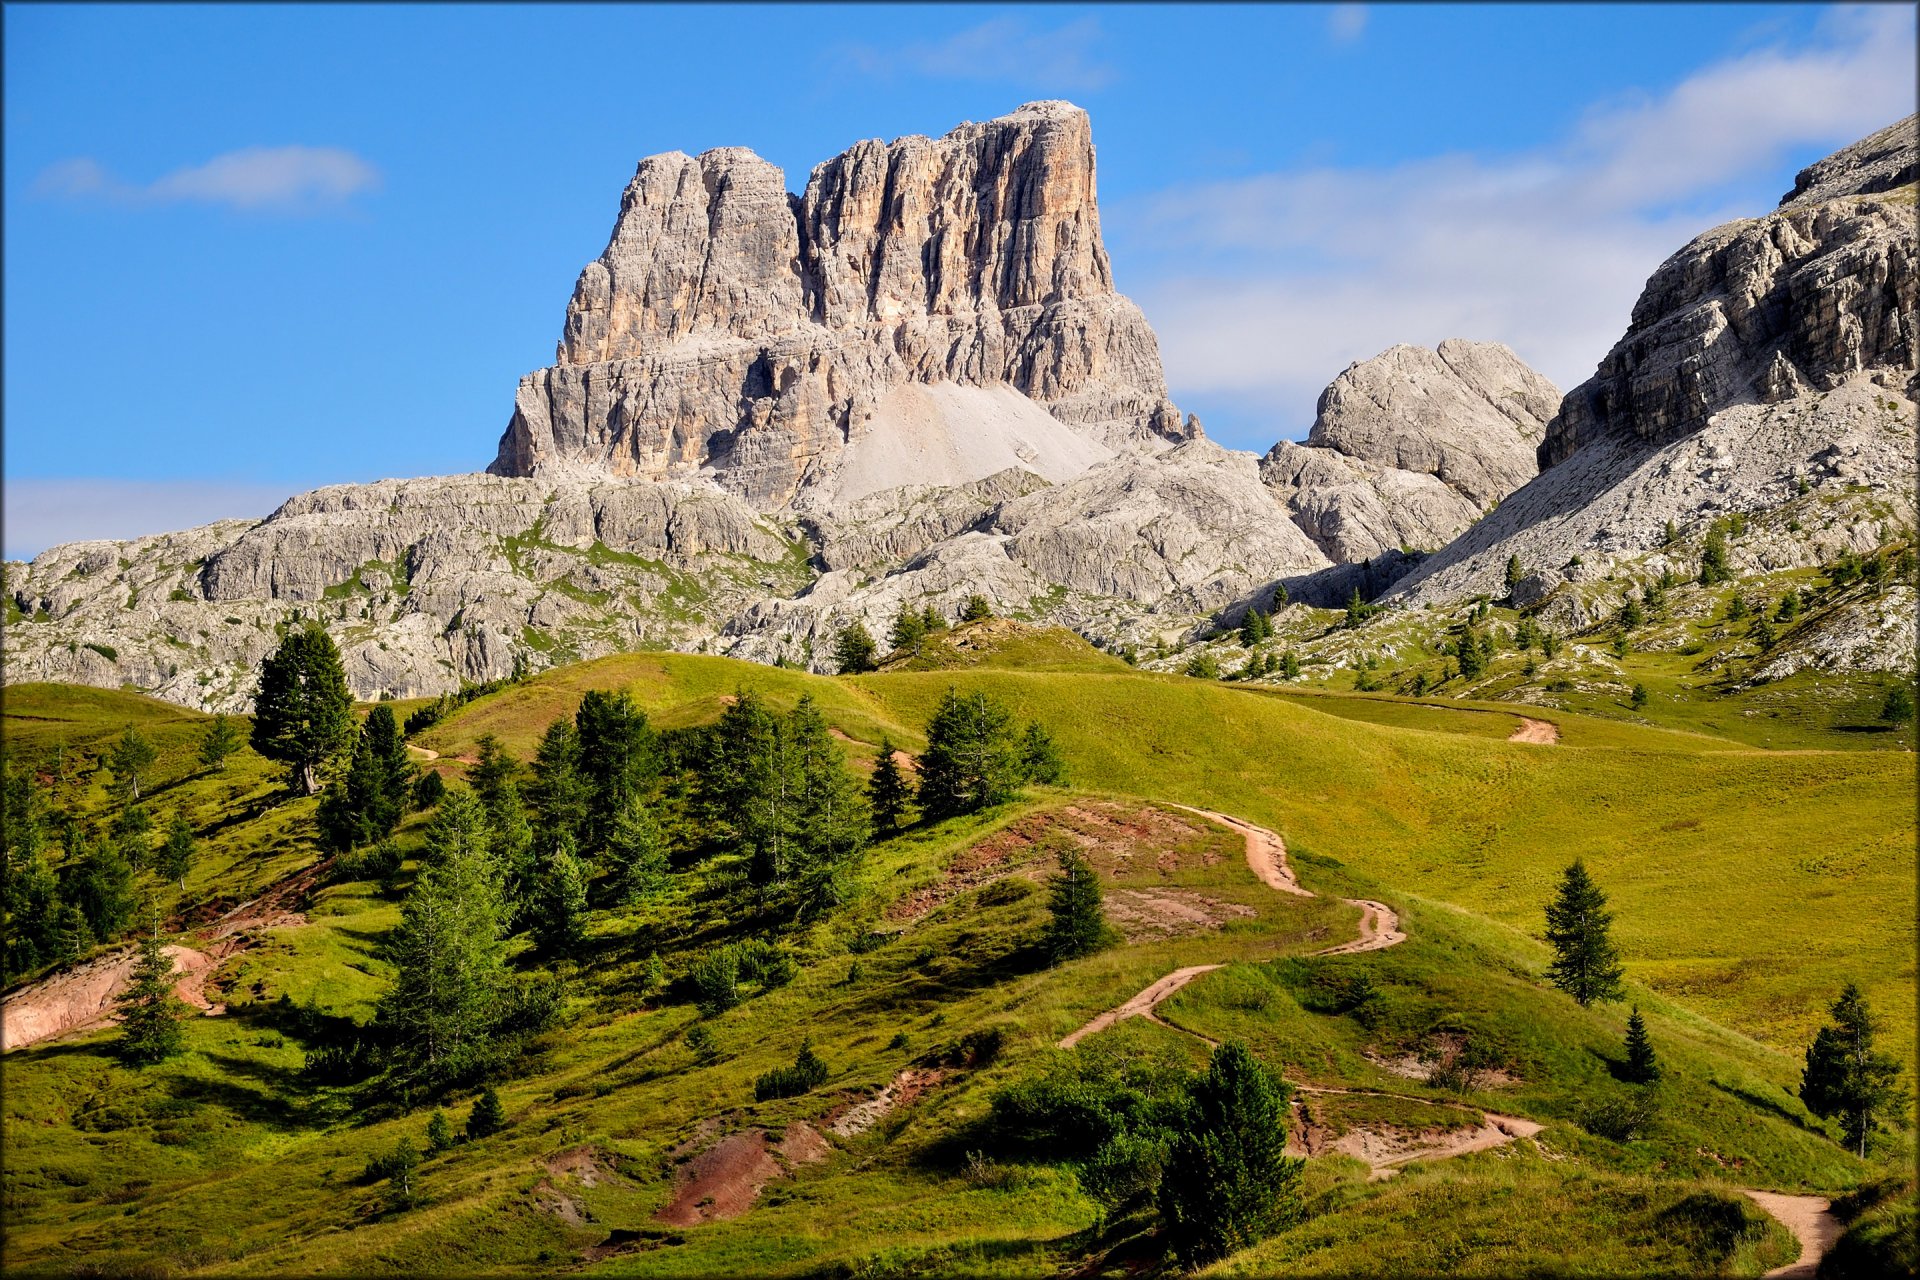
(219, 741)
(637, 853)
(1515, 573)
(1228, 1181)
(854, 650)
(495, 778)
(971, 761)
(1898, 707)
(439, 1132)
(1845, 1078)
(976, 609)
(1586, 964)
(132, 833)
(1040, 758)
(99, 883)
(176, 855)
(440, 1016)
(932, 621)
(394, 768)
(1290, 665)
(831, 822)
(1642, 1067)
(740, 793)
(558, 906)
(559, 792)
(889, 793)
(1639, 697)
(1077, 924)
(1356, 610)
(303, 713)
(909, 628)
(128, 759)
(149, 1013)
(619, 759)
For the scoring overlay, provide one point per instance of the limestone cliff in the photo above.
(731, 326)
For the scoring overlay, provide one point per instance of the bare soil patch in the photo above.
(1544, 732)
(904, 1090)
(724, 1180)
(1385, 1147)
(1144, 915)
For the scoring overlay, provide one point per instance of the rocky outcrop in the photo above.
(1411, 447)
(732, 326)
(1760, 311)
(424, 584)
(1769, 368)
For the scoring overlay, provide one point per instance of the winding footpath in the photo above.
(1813, 1223)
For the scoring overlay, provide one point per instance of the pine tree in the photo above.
(149, 1014)
(439, 1132)
(1077, 924)
(127, 759)
(100, 885)
(132, 833)
(1203, 666)
(740, 795)
(971, 762)
(558, 906)
(1250, 629)
(1356, 610)
(1713, 558)
(440, 1015)
(831, 820)
(495, 778)
(1229, 1182)
(1898, 707)
(1040, 758)
(976, 609)
(220, 741)
(637, 852)
(1642, 1066)
(932, 622)
(854, 650)
(889, 793)
(1515, 573)
(559, 792)
(619, 759)
(394, 768)
(176, 855)
(1639, 697)
(653, 979)
(303, 713)
(1845, 1078)
(1290, 665)
(909, 628)
(1586, 965)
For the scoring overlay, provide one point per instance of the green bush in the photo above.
(807, 1073)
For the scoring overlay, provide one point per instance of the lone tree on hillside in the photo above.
(1845, 1079)
(149, 1014)
(1516, 572)
(888, 791)
(971, 761)
(1586, 964)
(176, 855)
(127, 759)
(1643, 1067)
(303, 713)
(219, 741)
(1077, 925)
(487, 1118)
(1229, 1182)
(1040, 758)
(976, 609)
(854, 650)
(1898, 708)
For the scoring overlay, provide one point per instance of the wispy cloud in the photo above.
(1262, 289)
(46, 513)
(1059, 59)
(290, 179)
(1346, 23)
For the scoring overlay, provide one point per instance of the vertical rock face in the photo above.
(1822, 289)
(733, 326)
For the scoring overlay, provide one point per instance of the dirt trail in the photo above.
(423, 752)
(1812, 1221)
(1267, 859)
(1384, 1153)
(82, 998)
(1544, 732)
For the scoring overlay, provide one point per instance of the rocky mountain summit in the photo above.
(732, 327)
(772, 415)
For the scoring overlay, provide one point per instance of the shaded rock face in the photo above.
(1411, 447)
(1769, 368)
(1820, 290)
(732, 326)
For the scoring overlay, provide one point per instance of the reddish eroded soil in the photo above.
(1544, 732)
(1147, 915)
(724, 1180)
(907, 1088)
(82, 998)
(1120, 840)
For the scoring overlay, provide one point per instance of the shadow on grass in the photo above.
(1769, 1105)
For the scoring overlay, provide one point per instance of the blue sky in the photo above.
(254, 250)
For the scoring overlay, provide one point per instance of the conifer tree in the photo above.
(653, 979)
(971, 761)
(99, 883)
(132, 832)
(128, 759)
(1077, 924)
(976, 609)
(1515, 572)
(1290, 665)
(740, 793)
(619, 758)
(495, 778)
(932, 621)
(1586, 964)
(303, 713)
(1898, 707)
(854, 650)
(889, 793)
(559, 792)
(637, 853)
(176, 855)
(1040, 758)
(909, 628)
(1356, 610)
(1643, 1067)
(1639, 697)
(831, 819)
(558, 909)
(1846, 1079)
(149, 1013)
(1228, 1181)
(439, 1132)
(219, 741)
(1713, 558)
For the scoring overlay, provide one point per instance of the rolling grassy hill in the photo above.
(1748, 886)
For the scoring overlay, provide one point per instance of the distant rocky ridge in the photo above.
(773, 415)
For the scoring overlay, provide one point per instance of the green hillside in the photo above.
(1748, 886)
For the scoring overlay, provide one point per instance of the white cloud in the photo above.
(1346, 23)
(290, 179)
(1061, 59)
(1262, 289)
(46, 513)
